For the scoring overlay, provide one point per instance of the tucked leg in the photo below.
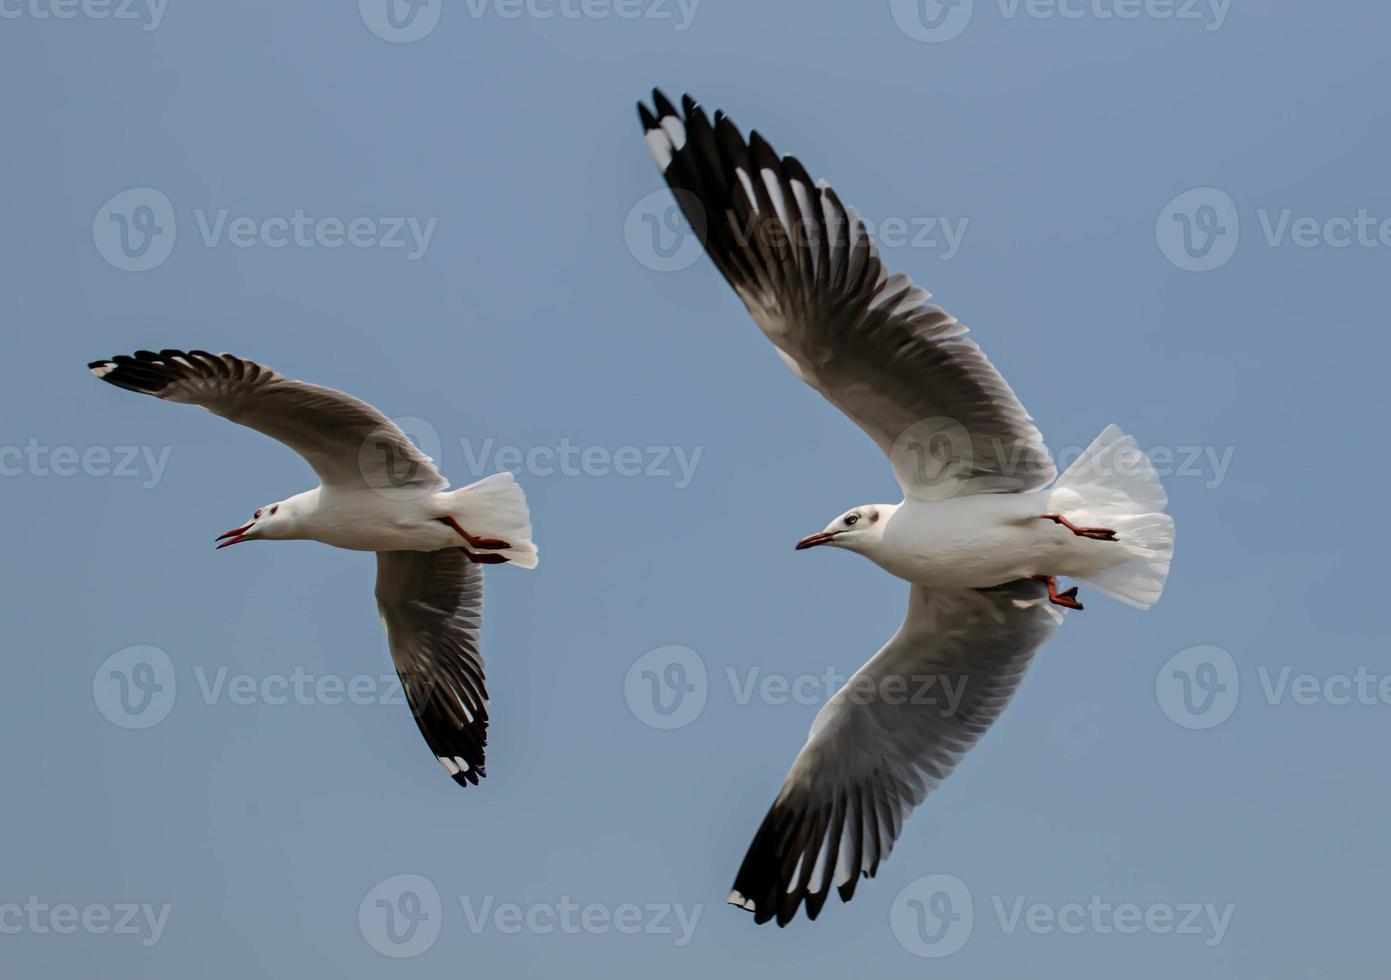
(485, 559)
(1067, 599)
(481, 544)
(1095, 533)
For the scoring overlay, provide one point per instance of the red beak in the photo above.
(812, 540)
(234, 536)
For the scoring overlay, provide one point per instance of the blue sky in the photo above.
(1167, 215)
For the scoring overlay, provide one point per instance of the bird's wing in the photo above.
(347, 442)
(432, 607)
(886, 740)
(810, 274)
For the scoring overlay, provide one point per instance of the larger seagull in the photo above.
(982, 532)
(378, 493)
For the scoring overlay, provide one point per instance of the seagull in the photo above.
(984, 529)
(378, 492)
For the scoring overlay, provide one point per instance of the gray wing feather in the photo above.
(347, 441)
(896, 730)
(431, 604)
(810, 274)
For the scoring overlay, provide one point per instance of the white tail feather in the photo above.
(1116, 486)
(495, 507)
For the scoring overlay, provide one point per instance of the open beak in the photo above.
(812, 540)
(235, 536)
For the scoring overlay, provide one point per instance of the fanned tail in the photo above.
(1119, 489)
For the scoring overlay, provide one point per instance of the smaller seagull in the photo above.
(379, 493)
(981, 534)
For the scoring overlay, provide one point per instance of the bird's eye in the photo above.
(257, 515)
(852, 520)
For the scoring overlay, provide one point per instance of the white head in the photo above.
(273, 522)
(859, 529)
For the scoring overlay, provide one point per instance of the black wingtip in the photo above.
(649, 121)
(662, 103)
(469, 778)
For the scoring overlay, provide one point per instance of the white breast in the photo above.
(975, 541)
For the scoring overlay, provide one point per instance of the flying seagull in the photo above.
(982, 532)
(378, 493)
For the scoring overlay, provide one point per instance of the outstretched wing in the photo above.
(868, 341)
(885, 741)
(432, 607)
(347, 441)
